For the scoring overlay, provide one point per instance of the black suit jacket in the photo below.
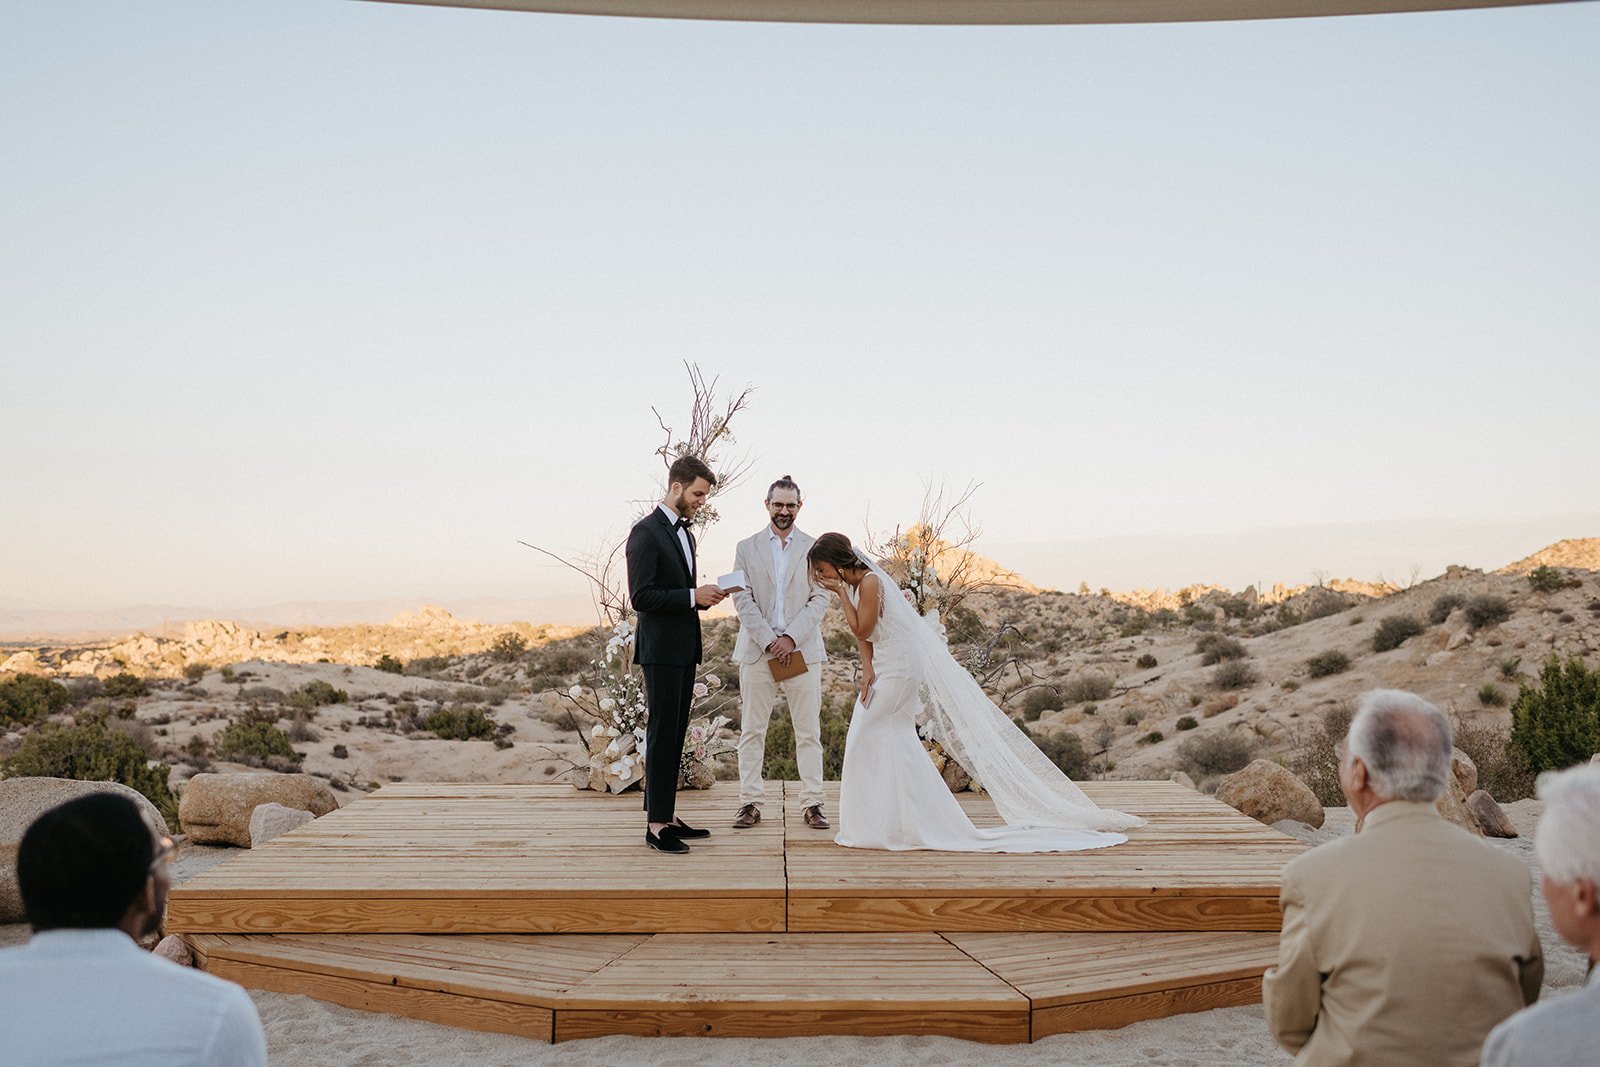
(660, 586)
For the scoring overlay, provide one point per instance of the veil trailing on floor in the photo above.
(1028, 790)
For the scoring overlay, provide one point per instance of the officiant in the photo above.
(779, 650)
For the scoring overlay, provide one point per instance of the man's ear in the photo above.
(1586, 898)
(1358, 773)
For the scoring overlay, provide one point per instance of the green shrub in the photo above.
(264, 694)
(1151, 738)
(1086, 687)
(253, 743)
(508, 646)
(389, 665)
(427, 666)
(778, 762)
(1063, 748)
(316, 694)
(459, 722)
(91, 752)
(1326, 663)
(28, 698)
(195, 671)
(841, 643)
(1188, 722)
(1490, 696)
(1145, 662)
(1486, 609)
(1316, 760)
(1508, 667)
(126, 685)
(1290, 685)
(1547, 579)
(1556, 723)
(1214, 648)
(1040, 700)
(1207, 755)
(1502, 768)
(1234, 674)
(1443, 605)
(1394, 631)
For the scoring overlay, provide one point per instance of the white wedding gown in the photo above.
(891, 795)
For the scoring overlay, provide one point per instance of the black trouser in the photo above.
(668, 690)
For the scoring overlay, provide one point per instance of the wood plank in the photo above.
(1114, 1012)
(1038, 913)
(990, 1027)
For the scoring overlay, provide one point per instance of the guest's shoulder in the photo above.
(1543, 1032)
(1325, 860)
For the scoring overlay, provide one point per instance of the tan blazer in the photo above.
(804, 603)
(1405, 944)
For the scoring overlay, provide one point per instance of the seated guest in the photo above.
(1566, 1029)
(93, 876)
(1407, 943)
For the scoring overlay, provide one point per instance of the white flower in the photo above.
(612, 731)
(599, 729)
(713, 681)
(700, 689)
(607, 704)
(575, 692)
(639, 734)
(629, 760)
(612, 749)
(618, 768)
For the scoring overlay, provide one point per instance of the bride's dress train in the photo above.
(892, 796)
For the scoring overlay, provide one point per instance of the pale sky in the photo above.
(325, 300)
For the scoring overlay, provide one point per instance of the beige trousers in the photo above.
(758, 692)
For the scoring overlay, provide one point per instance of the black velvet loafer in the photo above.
(665, 842)
(680, 829)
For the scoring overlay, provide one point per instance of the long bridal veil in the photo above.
(1028, 790)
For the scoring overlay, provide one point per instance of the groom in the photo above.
(780, 620)
(661, 570)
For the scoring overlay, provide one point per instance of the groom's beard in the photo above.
(783, 520)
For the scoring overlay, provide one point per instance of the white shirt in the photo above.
(94, 998)
(683, 543)
(780, 577)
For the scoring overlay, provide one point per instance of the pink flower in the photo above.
(700, 689)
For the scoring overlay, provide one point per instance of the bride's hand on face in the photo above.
(832, 585)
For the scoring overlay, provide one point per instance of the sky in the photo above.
(329, 300)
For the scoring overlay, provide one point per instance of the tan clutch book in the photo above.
(780, 673)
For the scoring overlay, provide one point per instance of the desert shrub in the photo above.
(263, 694)
(1145, 662)
(93, 752)
(256, 744)
(1151, 738)
(28, 698)
(1556, 723)
(1214, 648)
(778, 763)
(1325, 603)
(1490, 696)
(1195, 699)
(227, 674)
(389, 665)
(300, 729)
(1443, 605)
(459, 722)
(1236, 607)
(1502, 768)
(1547, 579)
(1508, 667)
(316, 694)
(1135, 625)
(1487, 609)
(1315, 760)
(340, 752)
(1208, 755)
(1130, 718)
(84, 690)
(841, 643)
(1326, 663)
(1040, 700)
(126, 685)
(1290, 685)
(195, 671)
(1188, 722)
(508, 646)
(1234, 674)
(964, 626)
(1394, 631)
(426, 666)
(1086, 687)
(1063, 748)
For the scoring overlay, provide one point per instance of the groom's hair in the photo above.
(785, 482)
(835, 548)
(685, 469)
(81, 865)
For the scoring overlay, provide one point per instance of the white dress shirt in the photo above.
(780, 578)
(93, 998)
(683, 543)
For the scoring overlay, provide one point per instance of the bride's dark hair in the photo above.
(835, 549)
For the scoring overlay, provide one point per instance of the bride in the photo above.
(891, 795)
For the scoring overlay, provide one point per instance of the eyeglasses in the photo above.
(784, 507)
(166, 849)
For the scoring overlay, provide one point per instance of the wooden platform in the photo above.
(981, 987)
(549, 859)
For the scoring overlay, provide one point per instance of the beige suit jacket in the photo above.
(1405, 944)
(804, 603)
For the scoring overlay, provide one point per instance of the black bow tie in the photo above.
(682, 524)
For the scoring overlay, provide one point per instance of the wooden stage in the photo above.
(537, 910)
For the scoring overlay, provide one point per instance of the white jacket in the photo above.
(804, 602)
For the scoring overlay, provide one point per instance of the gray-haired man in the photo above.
(1407, 943)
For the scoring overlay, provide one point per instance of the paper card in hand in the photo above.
(780, 673)
(732, 582)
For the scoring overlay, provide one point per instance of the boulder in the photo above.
(1269, 793)
(23, 800)
(1182, 779)
(275, 820)
(955, 776)
(216, 808)
(1464, 771)
(174, 948)
(1492, 818)
(1452, 804)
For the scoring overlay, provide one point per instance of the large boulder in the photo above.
(23, 800)
(274, 820)
(216, 808)
(1268, 793)
(1492, 818)
(1452, 804)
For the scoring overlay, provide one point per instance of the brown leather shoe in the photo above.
(815, 819)
(748, 816)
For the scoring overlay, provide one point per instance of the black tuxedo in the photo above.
(667, 646)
